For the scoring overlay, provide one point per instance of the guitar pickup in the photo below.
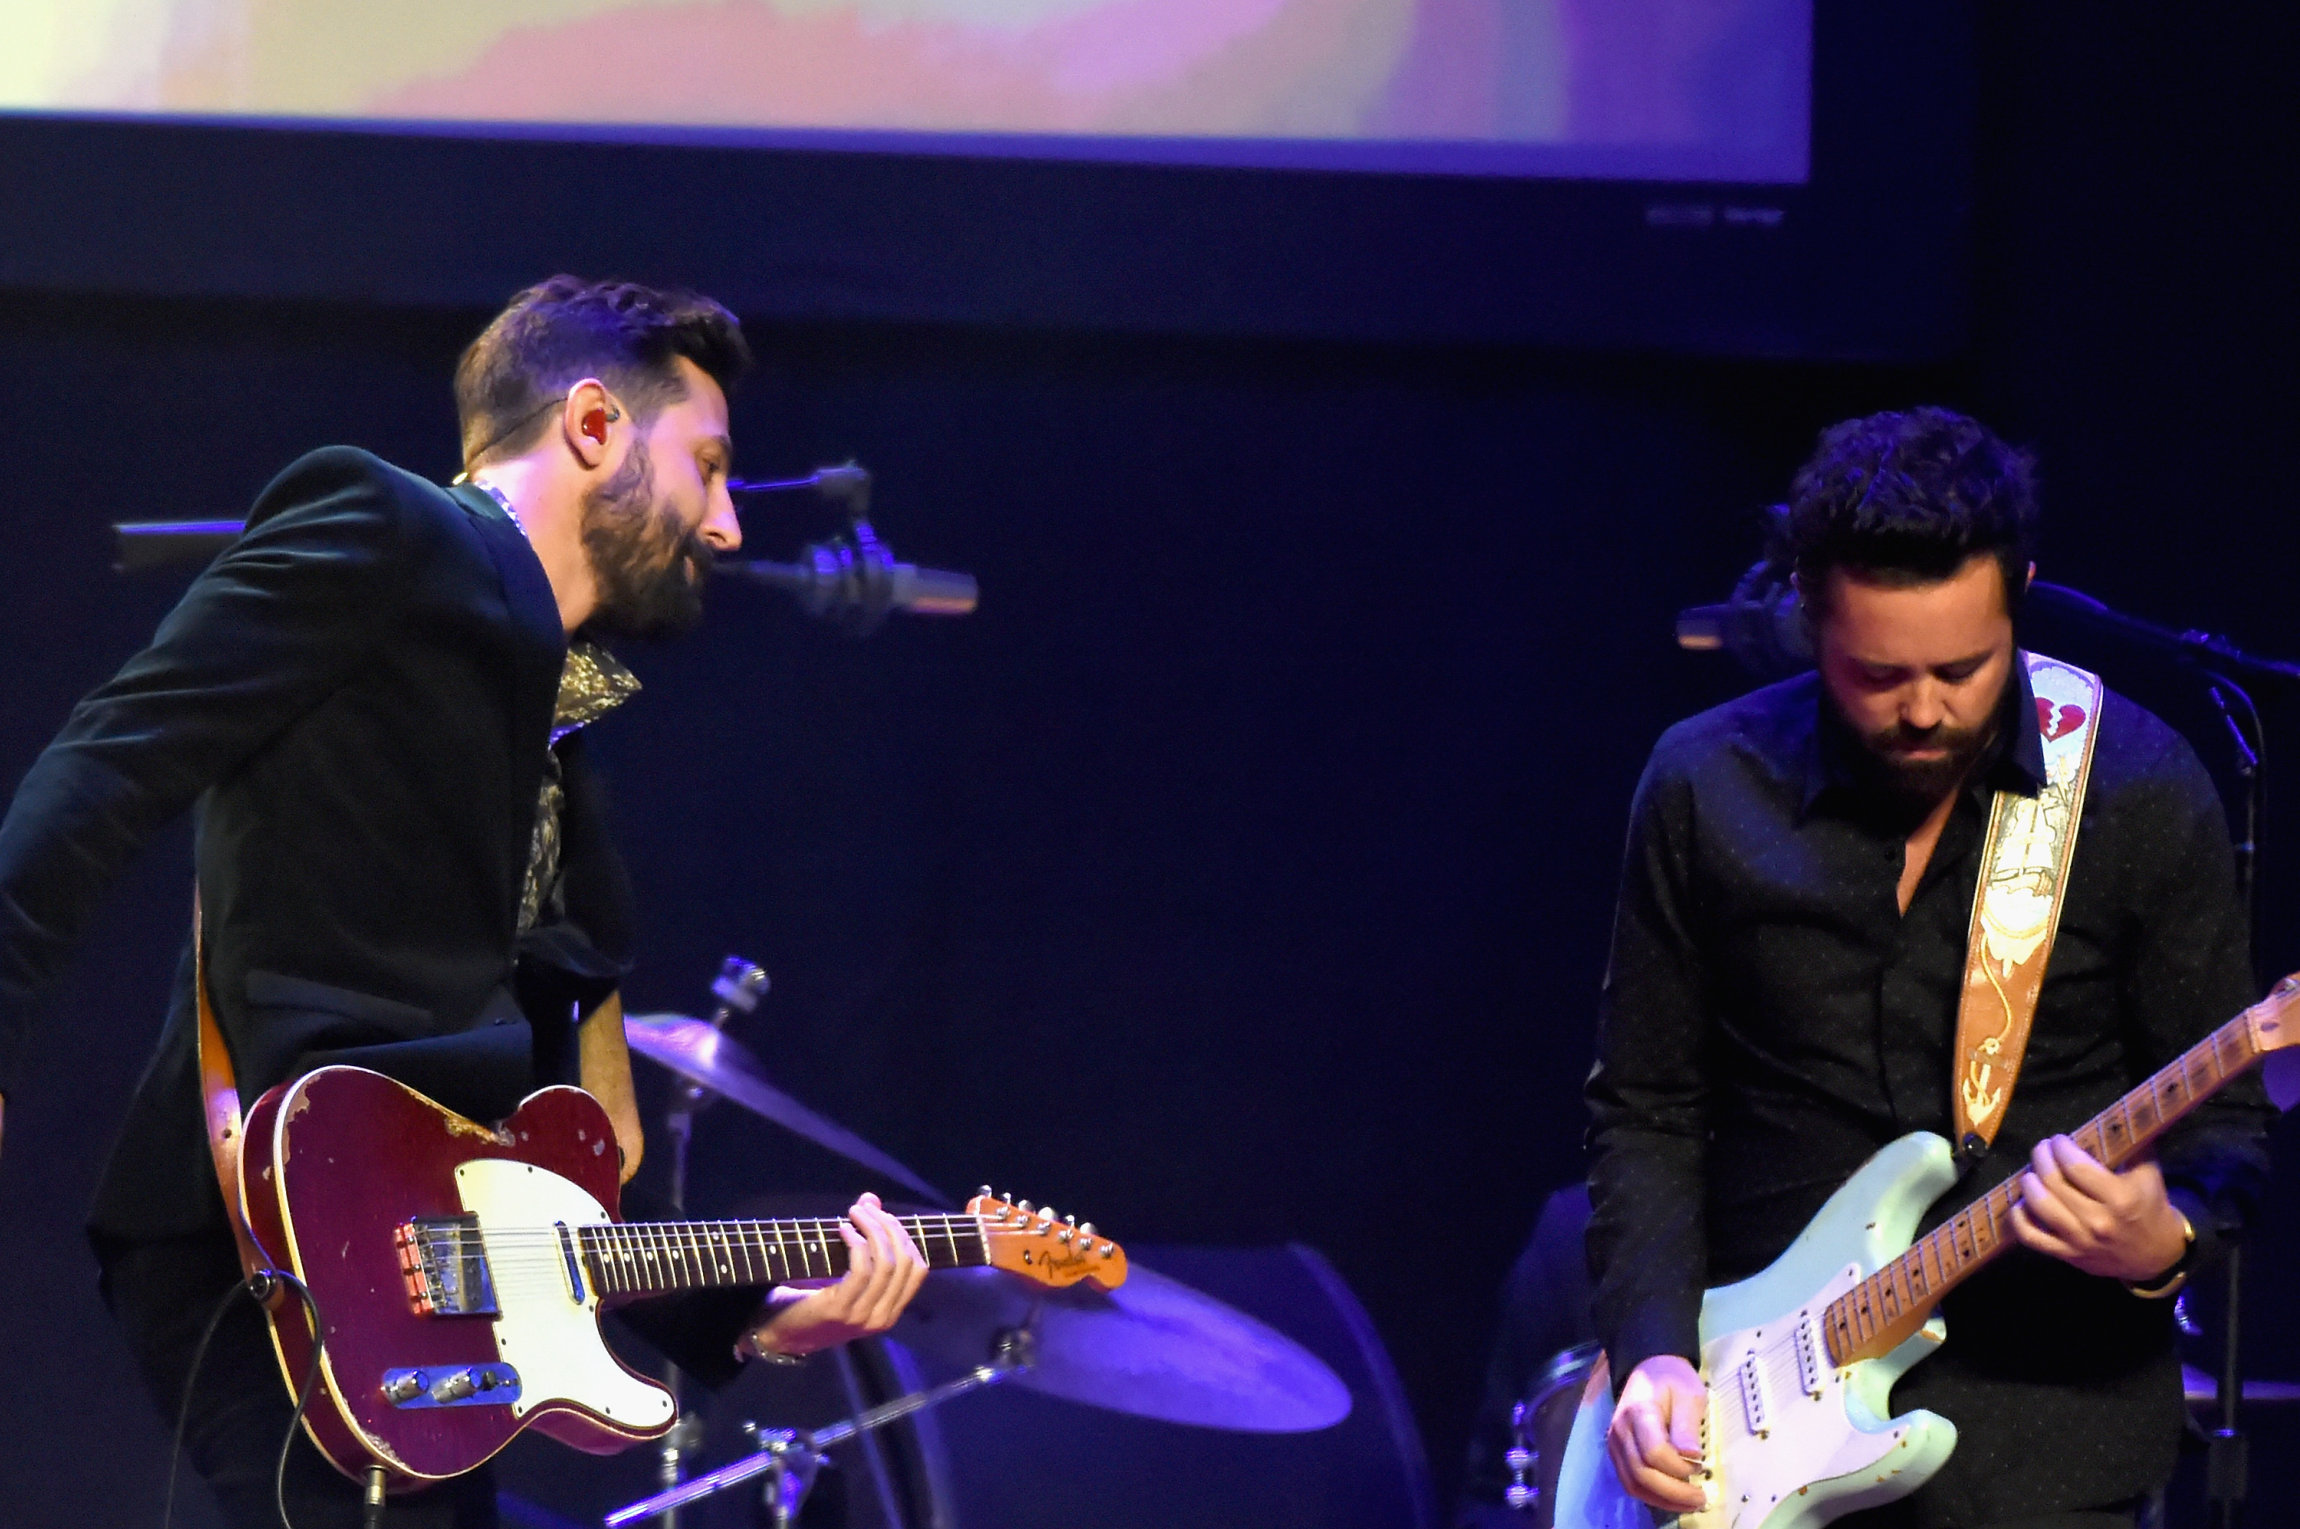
(475, 1385)
(443, 1263)
(1753, 1408)
(1808, 1356)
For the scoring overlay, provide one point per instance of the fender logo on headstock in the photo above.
(1051, 1261)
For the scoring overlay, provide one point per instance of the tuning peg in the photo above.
(1086, 1230)
(1064, 1235)
(1022, 1206)
(1045, 1214)
(1071, 1220)
(984, 1193)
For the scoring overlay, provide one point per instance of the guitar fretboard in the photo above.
(1876, 1315)
(658, 1257)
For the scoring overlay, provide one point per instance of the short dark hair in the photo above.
(560, 331)
(1908, 498)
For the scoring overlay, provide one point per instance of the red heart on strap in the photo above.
(2058, 724)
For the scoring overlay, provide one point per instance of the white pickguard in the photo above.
(1776, 1427)
(542, 1331)
(1795, 1445)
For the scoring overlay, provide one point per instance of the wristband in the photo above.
(748, 1348)
(2170, 1282)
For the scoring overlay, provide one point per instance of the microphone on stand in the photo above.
(853, 580)
(1761, 624)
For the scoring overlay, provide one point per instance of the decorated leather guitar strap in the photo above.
(2017, 905)
(220, 1106)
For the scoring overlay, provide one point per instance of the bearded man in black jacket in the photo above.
(377, 697)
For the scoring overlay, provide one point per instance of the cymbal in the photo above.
(2202, 1390)
(1152, 1348)
(702, 1054)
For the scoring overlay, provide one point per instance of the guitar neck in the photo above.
(661, 1257)
(1884, 1310)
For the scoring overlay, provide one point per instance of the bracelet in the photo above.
(2171, 1281)
(748, 1348)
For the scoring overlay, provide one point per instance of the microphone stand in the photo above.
(853, 580)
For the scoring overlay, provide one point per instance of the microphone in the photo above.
(1761, 624)
(855, 581)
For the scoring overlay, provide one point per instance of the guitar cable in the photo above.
(258, 1287)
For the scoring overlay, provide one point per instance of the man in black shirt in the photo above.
(1788, 952)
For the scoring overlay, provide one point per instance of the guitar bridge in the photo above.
(443, 1261)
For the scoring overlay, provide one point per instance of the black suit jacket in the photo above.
(359, 695)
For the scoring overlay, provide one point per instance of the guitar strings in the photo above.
(549, 1252)
(681, 1233)
(525, 1259)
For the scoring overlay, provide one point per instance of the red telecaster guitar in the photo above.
(459, 1269)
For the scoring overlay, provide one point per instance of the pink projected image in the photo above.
(1665, 89)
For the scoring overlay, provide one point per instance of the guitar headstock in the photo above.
(1043, 1247)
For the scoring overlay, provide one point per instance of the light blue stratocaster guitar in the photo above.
(1801, 1359)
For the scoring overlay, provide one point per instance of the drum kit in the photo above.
(1151, 1348)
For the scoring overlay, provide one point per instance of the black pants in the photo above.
(163, 1294)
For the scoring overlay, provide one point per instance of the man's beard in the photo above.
(648, 571)
(1923, 782)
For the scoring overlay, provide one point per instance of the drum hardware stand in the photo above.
(866, 1442)
(739, 987)
(1567, 1369)
(791, 1457)
(1521, 1493)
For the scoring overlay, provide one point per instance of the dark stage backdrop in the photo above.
(1240, 873)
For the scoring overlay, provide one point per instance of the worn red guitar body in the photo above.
(333, 1165)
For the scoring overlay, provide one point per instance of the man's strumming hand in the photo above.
(2119, 1225)
(1655, 1439)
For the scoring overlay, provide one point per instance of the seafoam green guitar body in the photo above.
(1793, 1442)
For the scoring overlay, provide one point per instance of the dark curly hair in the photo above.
(560, 331)
(1908, 498)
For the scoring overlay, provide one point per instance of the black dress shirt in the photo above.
(1771, 1018)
